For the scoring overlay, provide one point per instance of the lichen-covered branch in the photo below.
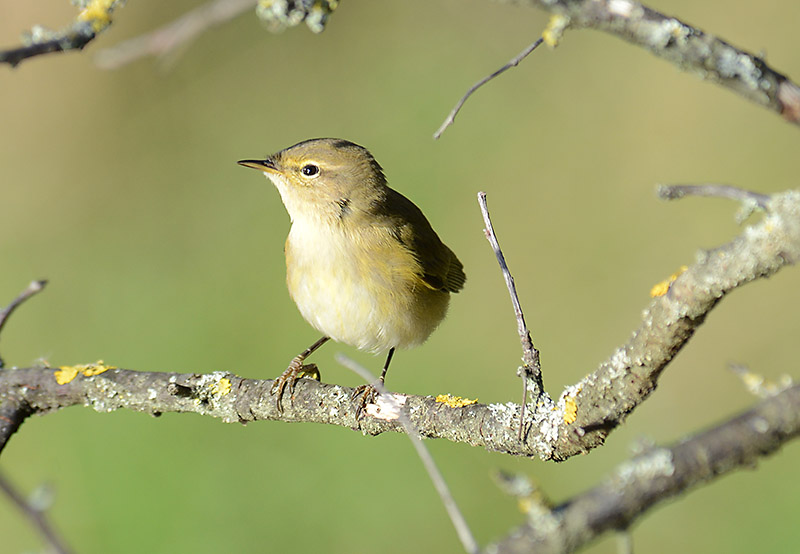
(637, 485)
(686, 46)
(579, 421)
(94, 18)
(657, 476)
(603, 399)
(28, 391)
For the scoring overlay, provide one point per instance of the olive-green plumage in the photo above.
(363, 264)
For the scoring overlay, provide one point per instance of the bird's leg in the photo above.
(295, 371)
(366, 394)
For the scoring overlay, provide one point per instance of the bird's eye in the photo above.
(310, 170)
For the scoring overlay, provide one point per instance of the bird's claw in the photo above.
(362, 396)
(289, 378)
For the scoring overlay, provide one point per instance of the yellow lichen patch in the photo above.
(660, 289)
(67, 373)
(554, 30)
(98, 13)
(96, 368)
(221, 387)
(570, 410)
(455, 401)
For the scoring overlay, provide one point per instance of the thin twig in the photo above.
(460, 524)
(676, 192)
(166, 39)
(33, 288)
(529, 353)
(35, 515)
(624, 542)
(530, 356)
(513, 63)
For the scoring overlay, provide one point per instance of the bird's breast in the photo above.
(360, 286)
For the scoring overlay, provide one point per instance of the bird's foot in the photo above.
(362, 396)
(289, 378)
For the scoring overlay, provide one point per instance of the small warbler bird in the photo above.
(363, 264)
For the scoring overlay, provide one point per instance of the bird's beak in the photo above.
(261, 165)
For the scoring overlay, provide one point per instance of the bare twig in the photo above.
(462, 528)
(625, 542)
(166, 39)
(512, 63)
(676, 192)
(687, 47)
(530, 356)
(35, 515)
(32, 288)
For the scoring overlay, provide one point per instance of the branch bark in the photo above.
(28, 391)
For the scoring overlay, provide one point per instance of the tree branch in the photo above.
(222, 395)
(687, 47)
(94, 18)
(585, 413)
(603, 399)
(658, 475)
(635, 486)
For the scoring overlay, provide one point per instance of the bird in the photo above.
(363, 264)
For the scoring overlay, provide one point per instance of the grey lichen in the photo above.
(658, 463)
(281, 14)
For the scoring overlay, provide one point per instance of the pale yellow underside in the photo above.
(359, 286)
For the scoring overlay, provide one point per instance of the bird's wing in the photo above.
(440, 268)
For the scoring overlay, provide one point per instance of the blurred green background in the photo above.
(121, 188)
